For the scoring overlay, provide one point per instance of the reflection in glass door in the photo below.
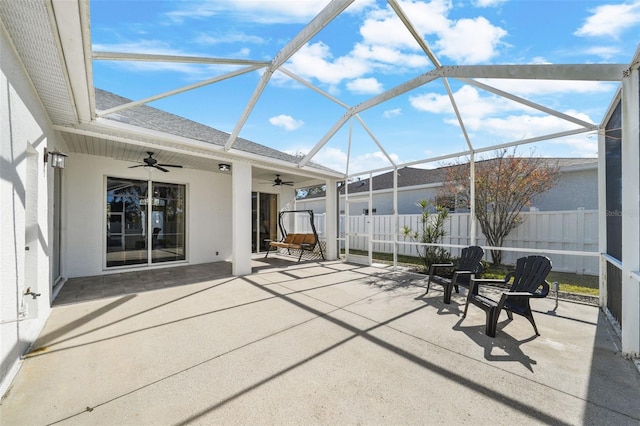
(167, 223)
(264, 210)
(128, 241)
(126, 227)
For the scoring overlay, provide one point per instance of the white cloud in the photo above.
(488, 3)
(494, 115)
(260, 11)
(369, 86)
(314, 61)
(545, 87)
(465, 40)
(517, 127)
(156, 47)
(470, 41)
(580, 146)
(388, 46)
(390, 113)
(286, 122)
(469, 101)
(333, 158)
(605, 52)
(229, 38)
(336, 159)
(611, 20)
(370, 161)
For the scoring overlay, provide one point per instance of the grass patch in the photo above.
(570, 283)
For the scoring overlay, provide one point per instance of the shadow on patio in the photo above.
(324, 342)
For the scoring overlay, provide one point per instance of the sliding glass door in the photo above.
(139, 235)
(264, 209)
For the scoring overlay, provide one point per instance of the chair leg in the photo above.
(466, 306)
(448, 289)
(428, 285)
(492, 322)
(529, 315)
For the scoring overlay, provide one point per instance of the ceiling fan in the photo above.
(152, 162)
(279, 182)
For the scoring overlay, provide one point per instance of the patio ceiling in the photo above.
(65, 83)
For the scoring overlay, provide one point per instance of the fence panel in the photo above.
(563, 230)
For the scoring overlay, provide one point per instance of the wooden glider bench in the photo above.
(464, 269)
(302, 242)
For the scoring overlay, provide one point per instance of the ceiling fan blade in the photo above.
(169, 165)
(160, 168)
(137, 165)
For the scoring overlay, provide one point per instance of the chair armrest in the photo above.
(520, 294)
(463, 272)
(440, 265)
(488, 280)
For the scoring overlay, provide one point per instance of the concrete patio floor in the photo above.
(313, 343)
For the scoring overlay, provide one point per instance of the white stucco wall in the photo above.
(25, 182)
(208, 211)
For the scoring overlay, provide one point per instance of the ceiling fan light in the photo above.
(224, 167)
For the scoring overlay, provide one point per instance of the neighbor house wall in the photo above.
(25, 207)
(577, 188)
(208, 222)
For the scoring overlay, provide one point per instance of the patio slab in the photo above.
(316, 343)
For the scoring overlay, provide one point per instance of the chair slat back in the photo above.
(530, 273)
(298, 239)
(309, 239)
(470, 259)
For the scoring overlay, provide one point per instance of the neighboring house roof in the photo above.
(411, 176)
(151, 118)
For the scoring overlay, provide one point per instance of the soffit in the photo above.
(30, 28)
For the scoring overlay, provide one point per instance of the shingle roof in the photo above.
(411, 176)
(151, 118)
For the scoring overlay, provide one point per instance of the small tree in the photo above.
(504, 185)
(431, 231)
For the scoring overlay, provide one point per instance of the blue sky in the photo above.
(364, 52)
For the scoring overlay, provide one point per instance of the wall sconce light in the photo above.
(57, 158)
(223, 167)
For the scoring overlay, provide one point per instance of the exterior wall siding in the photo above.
(25, 211)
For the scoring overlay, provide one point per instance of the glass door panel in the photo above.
(268, 220)
(126, 222)
(264, 219)
(167, 223)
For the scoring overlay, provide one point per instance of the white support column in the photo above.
(241, 218)
(331, 219)
(472, 200)
(602, 216)
(630, 213)
(396, 226)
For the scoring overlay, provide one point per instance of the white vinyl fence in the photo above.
(575, 230)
